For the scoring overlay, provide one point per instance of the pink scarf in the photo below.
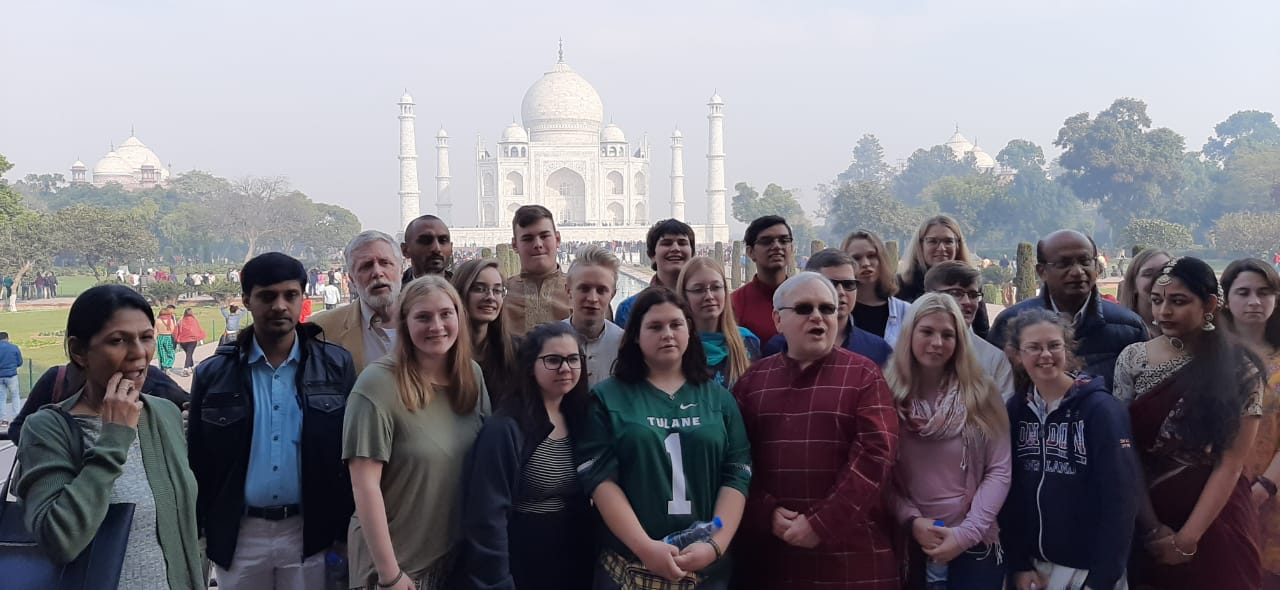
(941, 419)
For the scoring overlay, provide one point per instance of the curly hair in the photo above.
(1033, 317)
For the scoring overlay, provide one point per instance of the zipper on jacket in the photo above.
(1044, 467)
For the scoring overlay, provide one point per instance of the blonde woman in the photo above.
(878, 311)
(411, 419)
(939, 239)
(1135, 288)
(730, 348)
(480, 284)
(953, 458)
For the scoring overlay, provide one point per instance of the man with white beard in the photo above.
(366, 328)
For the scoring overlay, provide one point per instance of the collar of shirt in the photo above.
(371, 321)
(538, 279)
(1041, 408)
(1079, 315)
(604, 327)
(256, 354)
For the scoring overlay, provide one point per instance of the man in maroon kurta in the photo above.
(824, 435)
(769, 245)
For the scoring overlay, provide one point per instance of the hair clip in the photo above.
(1165, 278)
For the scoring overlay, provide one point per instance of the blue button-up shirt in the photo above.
(274, 477)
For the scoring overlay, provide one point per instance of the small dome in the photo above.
(959, 145)
(112, 165)
(677, 133)
(562, 103)
(983, 159)
(405, 98)
(715, 99)
(442, 134)
(612, 134)
(514, 133)
(137, 154)
(78, 165)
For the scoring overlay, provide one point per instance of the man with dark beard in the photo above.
(366, 328)
(428, 247)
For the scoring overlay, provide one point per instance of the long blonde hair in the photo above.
(983, 406)
(913, 274)
(728, 325)
(463, 389)
(886, 270)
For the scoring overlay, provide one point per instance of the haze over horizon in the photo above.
(307, 90)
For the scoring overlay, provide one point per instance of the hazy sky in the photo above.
(308, 89)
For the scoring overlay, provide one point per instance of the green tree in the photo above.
(868, 162)
(1253, 234)
(1250, 180)
(973, 201)
(1118, 161)
(926, 166)
(100, 236)
(1020, 154)
(748, 204)
(871, 206)
(1255, 129)
(1158, 233)
(1034, 206)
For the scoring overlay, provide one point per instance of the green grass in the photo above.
(71, 286)
(39, 334)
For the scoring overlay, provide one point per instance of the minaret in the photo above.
(677, 175)
(444, 196)
(409, 195)
(718, 223)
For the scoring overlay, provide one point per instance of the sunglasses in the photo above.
(804, 309)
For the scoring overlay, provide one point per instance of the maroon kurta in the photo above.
(822, 442)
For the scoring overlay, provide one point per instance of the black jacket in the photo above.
(158, 384)
(1073, 498)
(220, 430)
(492, 482)
(1102, 333)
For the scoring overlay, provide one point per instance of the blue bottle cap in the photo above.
(717, 522)
(939, 523)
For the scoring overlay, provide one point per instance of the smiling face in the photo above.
(536, 244)
(590, 291)
(275, 308)
(433, 324)
(933, 340)
(555, 384)
(773, 249)
(866, 260)
(125, 344)
(939, 244)
(1042, 352)
(705, 291)
(1177, 310)
(485, 306)
(671, 254)
(664, 336)
(1251, 300)
(810, 336)
(375, 269)
(427, 246)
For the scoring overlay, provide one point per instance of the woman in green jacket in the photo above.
(134, 450)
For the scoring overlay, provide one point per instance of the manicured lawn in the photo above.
(70, 286)
(40, 333)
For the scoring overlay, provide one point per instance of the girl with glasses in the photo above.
(939, 239)
(1068, 520)
(524, 517)
(663, 447)
(1195, 402)
(480, 284)
(730, 348)
(1250, 286)
(953, 455)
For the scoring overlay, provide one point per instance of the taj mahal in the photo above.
(563, 156)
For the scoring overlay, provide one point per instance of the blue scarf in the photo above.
(713, 344)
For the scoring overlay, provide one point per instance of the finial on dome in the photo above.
(561, 52)
(131, 133)
(957, 128)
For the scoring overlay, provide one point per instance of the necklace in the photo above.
(1177, 344)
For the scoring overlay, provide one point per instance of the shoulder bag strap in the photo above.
(58, 383)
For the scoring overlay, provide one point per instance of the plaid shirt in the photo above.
(823, 440)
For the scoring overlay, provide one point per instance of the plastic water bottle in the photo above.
(335, 572)
(698, 531)
(935, 572)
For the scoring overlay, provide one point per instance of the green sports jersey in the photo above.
(669, 454)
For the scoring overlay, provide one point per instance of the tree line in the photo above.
(1118, 177)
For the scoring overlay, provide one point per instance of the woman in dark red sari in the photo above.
(1196, 405)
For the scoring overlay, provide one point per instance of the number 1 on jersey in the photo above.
(679, 503)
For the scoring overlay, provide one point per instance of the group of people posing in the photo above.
(843, 427)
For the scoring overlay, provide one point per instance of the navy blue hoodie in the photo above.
(1076, 479)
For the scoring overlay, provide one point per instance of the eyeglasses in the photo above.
(804, 309)
(480, 289)
(1036, 349)
(700, 291)
(553, 362)
(1066, 264)
(961, 294)
(935, 242)
(769, 241)
(848, 285)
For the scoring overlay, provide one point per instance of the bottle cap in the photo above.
(716, 522)
(939, 523)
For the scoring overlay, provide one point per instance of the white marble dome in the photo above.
(514, 133)
(612, 134)
(137, 154)
(562, 107)
(983, 160)
(112, 166)
(959, 145)
(78, 165)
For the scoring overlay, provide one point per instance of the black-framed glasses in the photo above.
(769, 241)
(962, 294)
(804, 309)
(714, 289)
(553, 362)
(481, 289)
(847, 285)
